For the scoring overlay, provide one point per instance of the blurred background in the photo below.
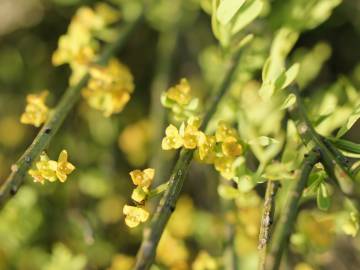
(79, 225)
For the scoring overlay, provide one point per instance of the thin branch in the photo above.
(288, 217)
(48, 131)
(166, 206)
(267, 221)
(333, 164)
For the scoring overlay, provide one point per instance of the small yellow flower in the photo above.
(46, 169)
(139, 194)
(143, 178)
(134, 215)
(223, 131)
(206, 148)
(224, 165)
(180, 93)
(63, 166)
(109, 87)
(173, 140)
(36, 112)
(204, 261)
(191, 137)
(52, 170)
(231, 148)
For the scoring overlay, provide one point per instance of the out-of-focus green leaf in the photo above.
(228, 192)
(227, 10)
(288, 102)
(350, 122)
(246, 14)
(263, 141)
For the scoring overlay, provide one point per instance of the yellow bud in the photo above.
(231, 148)
(224, 165)
(223, 131)
(139, 194)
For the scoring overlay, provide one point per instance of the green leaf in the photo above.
(246, 15)
(288, 102)
(351, 121)
(323, 198)
(346, 145)
(227, 10)
(290, 75)
(266, 69)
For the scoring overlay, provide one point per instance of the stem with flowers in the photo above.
(166, 206)
(50, 128)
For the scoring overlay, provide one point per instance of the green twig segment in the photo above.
(166, 206)
(334, 165)
(267, 221)
(287, 220)
(50, 128)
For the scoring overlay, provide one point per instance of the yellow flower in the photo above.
(173, 140)
(224, 165)
(231, 148)
(180, 93)
(36, 112)
(109, 87)
(224, 130)
(134, 215)
(206, 148)
(46, 169)
(122, 262)
(52, 170)
(63, 166)
(139, 194)
(143, 178)
(191, 133)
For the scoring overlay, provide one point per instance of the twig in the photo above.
(48, 131)
(287, 220)
(166, 206)
(334, 165)
(266, 221)
(165, 53)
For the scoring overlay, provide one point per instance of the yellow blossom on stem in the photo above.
(139, 194)
(143, 178)
(134, 215)
(231, 148)
(36, 111)
(224, 165)
(180, 93)
(109, 87)
(64, 168)
(172, 140)
(52, 170)
(223, 131)
(206, 148)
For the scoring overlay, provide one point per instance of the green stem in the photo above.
(50, 128)
(166, 206)
(287, 220)
(266, 221)
(165, 53)
(333, 165)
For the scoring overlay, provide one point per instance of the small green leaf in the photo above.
(246, 14)
(265, 72)
(323, 198)
(227, 10)
(288, 102)
(351, 121)
(290, 75)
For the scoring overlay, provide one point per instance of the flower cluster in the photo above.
(36, 111)
(109, 87)
(51, 170)
(180, 100)
(221, 149)
(137, 214)
(78, 47)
